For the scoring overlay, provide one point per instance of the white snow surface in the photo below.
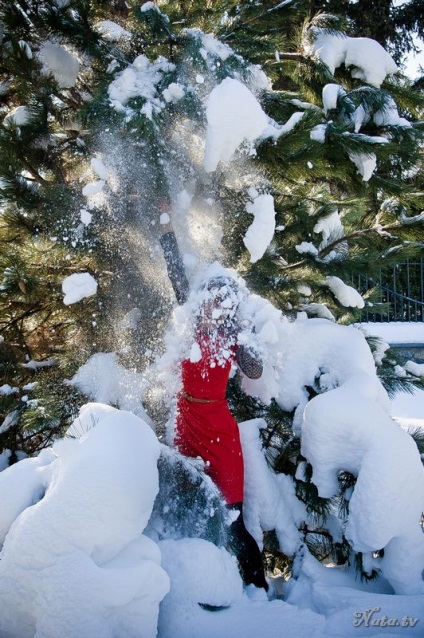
(78, 286)
(348, 427)
(368, 60)
(234, 116)
(261, 231)
(396, 331)
(76, 562)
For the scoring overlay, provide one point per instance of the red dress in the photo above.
(209, 430)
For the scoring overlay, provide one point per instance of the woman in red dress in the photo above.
(205, 426)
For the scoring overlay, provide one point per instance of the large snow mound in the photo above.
(76, 563)
(346, 427)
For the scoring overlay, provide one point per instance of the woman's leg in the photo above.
(246, 550)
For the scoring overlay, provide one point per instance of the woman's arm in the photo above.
(249, 362)
(171, 252)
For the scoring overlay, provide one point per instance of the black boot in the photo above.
(242, 544)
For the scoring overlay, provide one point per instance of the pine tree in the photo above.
(337, 217)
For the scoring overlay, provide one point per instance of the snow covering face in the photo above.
(76, 562)
(218, 300)
(225, 325)
(370, 62)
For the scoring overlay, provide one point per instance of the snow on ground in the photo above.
(75, 562)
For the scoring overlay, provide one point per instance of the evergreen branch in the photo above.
(37, 177)
(242, 25)
(344, 238)
(31, 311)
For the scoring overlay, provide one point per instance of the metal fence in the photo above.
(398, 293)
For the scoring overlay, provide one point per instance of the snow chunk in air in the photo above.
(104, 380)
(234, 116)
(77, 287)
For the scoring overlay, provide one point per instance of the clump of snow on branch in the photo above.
(389, 116)
(270, 502)
(368, 60)
(261, 231)
(78, 286)
(88, 526)
(348, 296)
(330, 95)
(365, 163)
(317, 133)
(234, 116)
(347, 427)
(307, 248)
(19, 116)
(139, 79)
(331, 228)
